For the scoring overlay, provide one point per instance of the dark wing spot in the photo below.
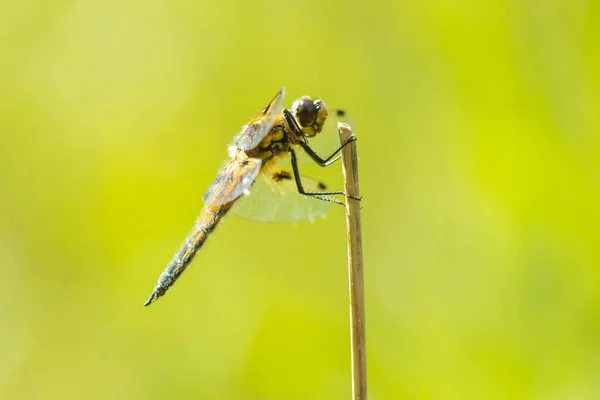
(340, 113)
(280, 175)
(322, 186)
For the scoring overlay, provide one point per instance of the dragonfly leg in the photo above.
(316, 195)
(323, 162)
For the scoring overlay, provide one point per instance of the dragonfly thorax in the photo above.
(310, 115)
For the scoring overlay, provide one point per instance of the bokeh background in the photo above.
(479, 146)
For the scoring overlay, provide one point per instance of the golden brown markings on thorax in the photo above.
(276, 142)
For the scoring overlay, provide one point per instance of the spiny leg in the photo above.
(316, 195)
(323, 162)
(293, 124)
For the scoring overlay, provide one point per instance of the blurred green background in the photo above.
(478, 136)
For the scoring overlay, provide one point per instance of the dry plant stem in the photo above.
(355, 266)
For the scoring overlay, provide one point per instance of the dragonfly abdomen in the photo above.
(205, 224)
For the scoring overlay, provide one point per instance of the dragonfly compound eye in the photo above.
(306, 112)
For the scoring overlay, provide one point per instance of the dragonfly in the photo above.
(254, 158)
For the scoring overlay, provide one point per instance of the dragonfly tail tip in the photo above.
(153, 297)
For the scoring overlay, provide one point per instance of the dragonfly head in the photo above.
(310, 115)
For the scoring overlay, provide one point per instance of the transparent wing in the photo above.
(232, 181)
(260, 125)
(275, 198)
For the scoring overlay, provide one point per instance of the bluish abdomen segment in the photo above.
(206, 222)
